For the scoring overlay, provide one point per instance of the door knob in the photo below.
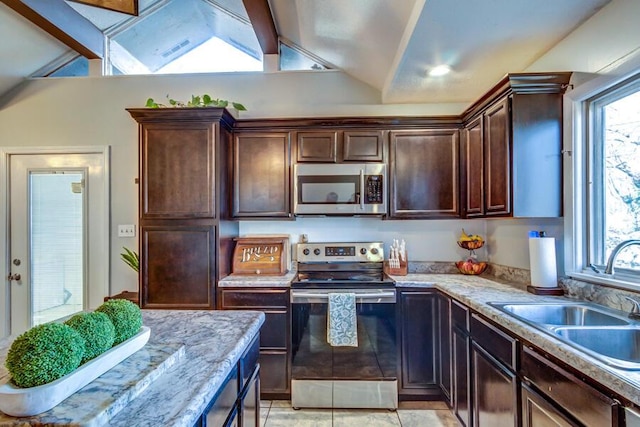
(15, 277)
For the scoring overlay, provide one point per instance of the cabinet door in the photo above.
(495, 391)
(497, 155)
(461, 395)
(177, 168)
(424, 173)
(261, 175)
(362, 146)
(473, 161)
(538, 412)
(317, 146)
(418, 358)
(444, 332)
(275, 341)
(178, 266)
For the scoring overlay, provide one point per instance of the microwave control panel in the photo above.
(373, 189)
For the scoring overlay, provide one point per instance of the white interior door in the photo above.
(57, 236)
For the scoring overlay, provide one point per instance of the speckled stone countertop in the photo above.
(476, 292)
(254, 281)
(213, 342)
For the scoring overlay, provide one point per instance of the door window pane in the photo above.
(56, 230)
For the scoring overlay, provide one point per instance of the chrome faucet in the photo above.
(635, 308)
(614, 254)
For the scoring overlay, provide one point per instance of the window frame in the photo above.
(579, 176)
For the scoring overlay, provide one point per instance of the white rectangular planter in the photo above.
(24, 402)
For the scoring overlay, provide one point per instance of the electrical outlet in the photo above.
(127, 230)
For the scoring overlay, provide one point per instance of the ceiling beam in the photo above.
(262, 21)
(65, 24)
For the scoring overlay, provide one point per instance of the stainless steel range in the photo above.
(330, 376)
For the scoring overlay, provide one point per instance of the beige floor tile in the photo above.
(288, 417)
(425, 404)
(365, 418)
(281, 404)
(431, 418)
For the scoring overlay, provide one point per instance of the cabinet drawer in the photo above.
(254, 299)
(274, 372)
(500, 345)
(275, 330)
(583, 402)
(459, 315)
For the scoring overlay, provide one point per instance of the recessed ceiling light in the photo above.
(440, 70)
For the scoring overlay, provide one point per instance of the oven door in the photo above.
(340, 189)
(346, 377)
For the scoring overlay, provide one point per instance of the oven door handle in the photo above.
(374, 296)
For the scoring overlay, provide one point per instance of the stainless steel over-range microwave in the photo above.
(340, 189)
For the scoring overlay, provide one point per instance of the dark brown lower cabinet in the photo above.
(444, 346)
(178, 271)
(461, 396)
(418, 314)
(237, 403)
(275, 339)
(538, 412)
(495, 391)
(578, 402)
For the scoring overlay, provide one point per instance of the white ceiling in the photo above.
(388, 44)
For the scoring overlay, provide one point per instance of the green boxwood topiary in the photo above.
(97, 330)
(126, 318)
(43, 354)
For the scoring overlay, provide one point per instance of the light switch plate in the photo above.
(126, 230)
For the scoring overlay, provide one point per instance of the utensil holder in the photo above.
(396, 271)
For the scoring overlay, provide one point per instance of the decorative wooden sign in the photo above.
(260, 255)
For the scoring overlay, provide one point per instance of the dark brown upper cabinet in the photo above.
(185, 237)
(512, 148)
(424, 174)
(336, 146)
(473, 161)
(261, 175)
(317, 146)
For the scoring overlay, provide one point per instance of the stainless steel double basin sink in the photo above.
(606, 334)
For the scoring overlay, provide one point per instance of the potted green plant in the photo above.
(131, 258)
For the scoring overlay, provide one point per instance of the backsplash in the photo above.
(610, 297)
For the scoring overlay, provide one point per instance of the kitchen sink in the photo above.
(616, 346)
(561, 314)
(606, 334)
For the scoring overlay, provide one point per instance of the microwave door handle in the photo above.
(362, 189)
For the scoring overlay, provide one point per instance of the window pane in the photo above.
(294, 59)
(57, 239)
(77, 67)
(621, 177)
(197, 35)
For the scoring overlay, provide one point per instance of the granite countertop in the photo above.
(212, 343)
(476, 292)
(257, 281)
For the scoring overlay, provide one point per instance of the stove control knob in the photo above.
(374, 251)
(305, 251)
(363, 251)
(316, 251)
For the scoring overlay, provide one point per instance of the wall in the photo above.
(91, 111)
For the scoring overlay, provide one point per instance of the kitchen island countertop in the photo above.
(213, 343)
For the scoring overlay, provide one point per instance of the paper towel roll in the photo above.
(542, 261)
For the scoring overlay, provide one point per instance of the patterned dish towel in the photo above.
(342, 325)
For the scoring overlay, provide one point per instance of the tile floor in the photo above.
(279, 413)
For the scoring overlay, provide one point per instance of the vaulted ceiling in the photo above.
(389, 44)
